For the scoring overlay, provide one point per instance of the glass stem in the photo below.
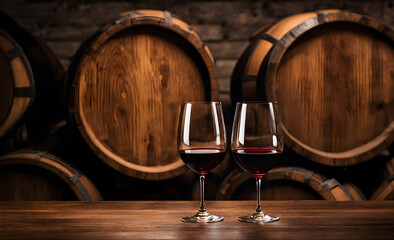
(258, 186)
(202, 202)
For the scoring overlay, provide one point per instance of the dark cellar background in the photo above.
(226, 27)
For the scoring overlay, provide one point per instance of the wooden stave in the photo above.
(356, 193)
(389, 167)
(80, 185)
(386, 190)
(20, 104)
(239, 78)
(247, 69)
(47, 77)
(93, 43)
(268, 69)
(328, 189)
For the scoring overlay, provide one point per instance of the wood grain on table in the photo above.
(162, 220)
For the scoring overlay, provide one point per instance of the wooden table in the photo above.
(161, 220)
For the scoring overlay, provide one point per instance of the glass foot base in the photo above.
(258, 218)
(203, 217)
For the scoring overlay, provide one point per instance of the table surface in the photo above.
(162, 220)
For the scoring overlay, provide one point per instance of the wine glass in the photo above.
(202, 146)
(257, 144)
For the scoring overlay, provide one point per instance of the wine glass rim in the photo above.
(202, 102)
(256, 102)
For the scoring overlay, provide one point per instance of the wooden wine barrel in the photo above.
(125, 87)
(33, 175)
(332, 74)
(42, 92)
(386, 190)
(17, 83)
(285, 183)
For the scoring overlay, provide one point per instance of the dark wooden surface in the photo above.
(161, 220)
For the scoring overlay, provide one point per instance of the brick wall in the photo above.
(225, 25)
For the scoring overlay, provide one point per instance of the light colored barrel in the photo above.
(126, 85)
(332, 74)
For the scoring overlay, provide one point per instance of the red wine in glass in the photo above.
(202, 145)
(202, 160)
(257, 161)
(257, 144)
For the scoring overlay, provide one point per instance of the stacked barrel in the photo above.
(331, 73)
(107, 127)
(30, 107)
(121, 96)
